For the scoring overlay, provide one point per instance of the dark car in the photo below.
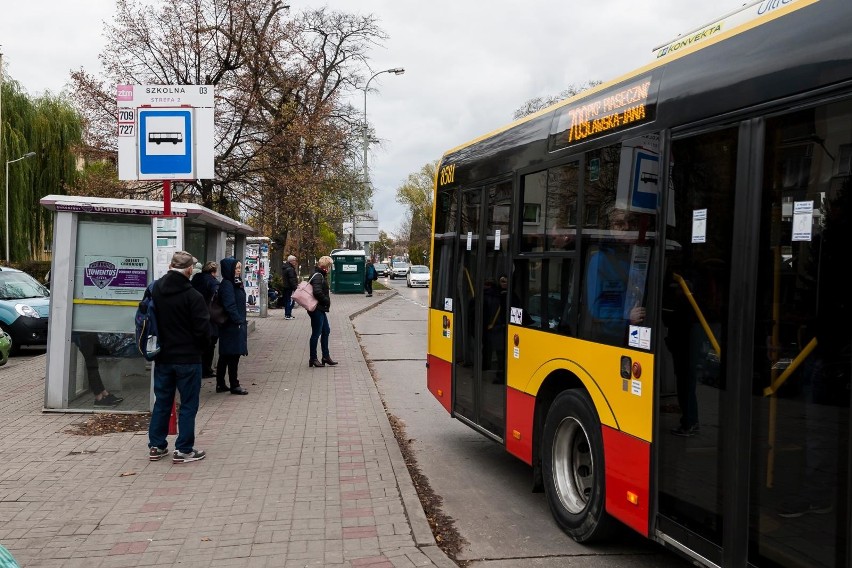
(381, 269)
(24, 307)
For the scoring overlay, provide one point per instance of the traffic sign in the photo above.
(165, 132)
(165, 143)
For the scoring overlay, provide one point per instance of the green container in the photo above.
(347, 272)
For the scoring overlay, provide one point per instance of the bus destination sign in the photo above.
(613, 110)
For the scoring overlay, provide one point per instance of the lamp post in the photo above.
(24, 157)
(364, 130)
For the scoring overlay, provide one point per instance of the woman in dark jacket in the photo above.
(233, 334)
(319, 319)
(206, 283)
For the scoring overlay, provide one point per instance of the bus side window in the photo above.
(561, 280)
(526, 293)
(533, 211)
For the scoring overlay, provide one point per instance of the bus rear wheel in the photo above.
(573, 468)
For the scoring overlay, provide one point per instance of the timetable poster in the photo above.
(251, 278)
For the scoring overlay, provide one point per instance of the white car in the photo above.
(418, 275)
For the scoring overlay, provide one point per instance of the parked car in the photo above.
(418, 275)
(5, 347)
(24, 307)
(398, 270)
(382, 269)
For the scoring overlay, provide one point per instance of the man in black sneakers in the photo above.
(183, 325)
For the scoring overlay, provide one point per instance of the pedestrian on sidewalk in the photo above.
(205, 282)
(183, 323)
(370, 274)
(233, 334)
(291, 282)
(320, 329)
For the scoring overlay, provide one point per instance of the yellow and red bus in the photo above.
(641, 292)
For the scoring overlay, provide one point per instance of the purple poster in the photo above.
(115, 277)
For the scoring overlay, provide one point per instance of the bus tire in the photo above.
(573, 468)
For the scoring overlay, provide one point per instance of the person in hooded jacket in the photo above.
(320, 329)
(206, 283)
(233, 334)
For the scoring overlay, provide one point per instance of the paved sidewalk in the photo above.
(304, 471)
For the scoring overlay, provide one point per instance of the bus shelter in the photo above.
(105, 253)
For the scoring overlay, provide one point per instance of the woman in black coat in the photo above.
(233, 334)
(206, 283)
(319, 317)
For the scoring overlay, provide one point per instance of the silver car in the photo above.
(398, 270)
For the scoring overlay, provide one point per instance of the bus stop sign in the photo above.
(165, 142)
(165, 132)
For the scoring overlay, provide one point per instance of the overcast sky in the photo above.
(468, 64)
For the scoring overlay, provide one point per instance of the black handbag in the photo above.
(217, 310)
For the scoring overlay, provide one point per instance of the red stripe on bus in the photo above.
(628, 474)
(520, 409)
(438, 377)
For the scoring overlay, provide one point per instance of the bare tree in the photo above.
(537, 103)
(284, 135)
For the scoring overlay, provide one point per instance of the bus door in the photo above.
(479, 308)
(799, 488)
(692, 429)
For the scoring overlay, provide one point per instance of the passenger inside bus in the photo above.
(692, 306)
(494, 332)
(615, 283)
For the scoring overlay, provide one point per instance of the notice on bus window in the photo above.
(803, 220)
(497, 239)
(470, 240)
(516, 315)
(639, 337)
(699, 226)
(448, 304)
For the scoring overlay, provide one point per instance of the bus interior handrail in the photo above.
(707, 331)
(782, 378)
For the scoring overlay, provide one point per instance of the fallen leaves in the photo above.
(107, 423)
(443, 526)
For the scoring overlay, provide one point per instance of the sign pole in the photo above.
(173, 419)
(167, 197)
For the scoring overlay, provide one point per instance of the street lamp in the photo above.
(395, 71)
(24, 157)
(364, 130)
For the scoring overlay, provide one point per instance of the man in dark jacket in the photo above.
(183, 323)
(291, 281)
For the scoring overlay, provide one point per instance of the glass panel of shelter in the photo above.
(103, 354)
